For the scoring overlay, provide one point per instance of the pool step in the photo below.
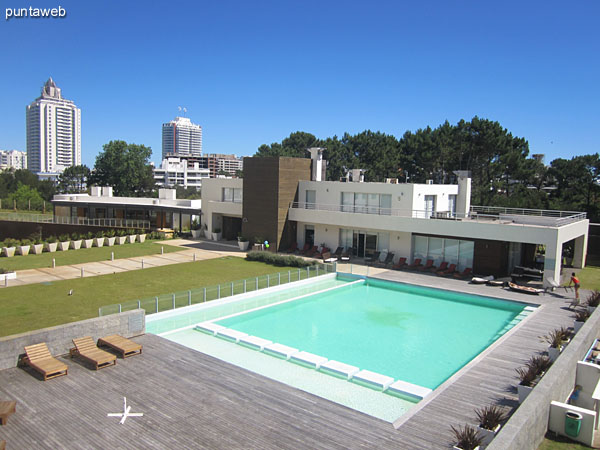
(281, 351)
(254, 342)
(373, 379)
(308, 359)
(209, 328)
(522, 315)
(339, 368)
(412, 390)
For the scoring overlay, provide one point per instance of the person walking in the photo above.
(575, 282)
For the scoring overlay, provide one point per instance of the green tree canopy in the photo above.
(125, 167)
(73, 180)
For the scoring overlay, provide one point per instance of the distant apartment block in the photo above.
(228, 163)
(176, 171)
(13, 159)
(53, 132)
(181, 137)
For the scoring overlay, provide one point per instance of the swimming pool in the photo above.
(410, 334)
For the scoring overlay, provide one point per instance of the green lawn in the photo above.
(35, 306)
(84, 255)
(560, 443)
(589, 277)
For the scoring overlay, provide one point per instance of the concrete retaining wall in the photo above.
(22, 230)
(527, 426)
(59, 338)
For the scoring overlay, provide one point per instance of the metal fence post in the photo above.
(189, 298)
(278, 278)
(308, 272)
(156, 299)
(120, 308)
(317, 270)
(289, 276)
(99, 312)
(256, 284)
(244, 285)
(232, 288)
(298, 274)
(142, 263)
(203, 294)
(139, 304)
(218, 291)
(82, 272)
(268, 281)
(173, 301)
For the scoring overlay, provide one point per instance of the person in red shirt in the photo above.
(575, 282)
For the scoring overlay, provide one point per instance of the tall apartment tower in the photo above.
(53, 132)
(181, 137)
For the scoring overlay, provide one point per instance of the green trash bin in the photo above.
(572, 423)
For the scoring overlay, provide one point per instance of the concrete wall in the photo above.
(557, 422)
(528, 425)
(22, 230)
(59, 338)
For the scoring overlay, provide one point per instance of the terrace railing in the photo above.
(476, 213)
(46, 218)
(165, 302)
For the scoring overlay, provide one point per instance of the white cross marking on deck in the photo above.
(125, 414)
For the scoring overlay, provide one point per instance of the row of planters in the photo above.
(491, 418)
(35, 245)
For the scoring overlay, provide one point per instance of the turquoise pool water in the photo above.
(411, 333)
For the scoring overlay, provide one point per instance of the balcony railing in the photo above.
(45, 218)
(477, 213)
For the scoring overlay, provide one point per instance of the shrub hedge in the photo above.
(279, 260)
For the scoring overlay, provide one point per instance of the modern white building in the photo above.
(228, 163)
(53, 132)
(13, 159)
(283, 201)
(176, 171)
(181, 137)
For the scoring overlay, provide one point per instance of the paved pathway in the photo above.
(191, 249)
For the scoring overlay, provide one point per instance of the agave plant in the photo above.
(527, 375)
(555, 338)
(593, 300)
(467, 437)
(581, 315)
(490, 417)
(539, 363)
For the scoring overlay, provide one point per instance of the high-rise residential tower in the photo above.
(181, 137)
(53, 132)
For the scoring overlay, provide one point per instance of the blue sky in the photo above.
(253, 72)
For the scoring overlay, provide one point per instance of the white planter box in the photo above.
(7, 276)
(121, 240)
(523, 392)
(577, 325)
(216, 236)
(460, 448)
(8, 251)
(487, 435)
(99, 242)
(131, 238)
(591, 309)
(24, 249)
(76, 245)
(141, 238)
(51, 246)
(64, 246)
(110, 241)
(88, 243)
(243, 245)
(37, 249)
(553, 353)
(196, 233)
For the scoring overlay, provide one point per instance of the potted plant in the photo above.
(75, 241)
(51, 244)
(466, 437)
(99, 239)
(7, 275)
(243, 243)
(196, 228)
(110, 238)
(490, 420)
(24, 247)
(555, 339)
(527, 378)
(141, 237)
(8, 247)
(38, 246)
(593, 301)
(88, 241)
(64, 242)
(131, 236)
(216, 234)
(121, 237)
(581, 315)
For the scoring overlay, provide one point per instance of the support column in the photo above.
(552, 262)
(580, 251)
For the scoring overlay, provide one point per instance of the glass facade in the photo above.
(453, 251)
(361, 202)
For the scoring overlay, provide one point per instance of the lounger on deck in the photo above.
(373, 258)
(311, 251)
(464, 274)
(327, 258)
(338, 252)
(39, 358)
(125, 347)
(346, 254)
(305, 249)
(401, 264)
(449, 271)
(293, 248)
(86, 348)
(428, 266)
(415, 265)
(387, 261)
(443, 267)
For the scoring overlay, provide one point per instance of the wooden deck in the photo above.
(191, 400)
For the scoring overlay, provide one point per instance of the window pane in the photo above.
(451, 251)
(386, 204)
(347, 201)
(435, 250)
(420, 247)
(373, 202)
(237, 195)
(383, 241)
(360, 202)
(311, 199)
(465, 254)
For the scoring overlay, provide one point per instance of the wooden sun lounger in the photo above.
(39, 358)
(125, 347)
(86, 348)
(6, 409)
